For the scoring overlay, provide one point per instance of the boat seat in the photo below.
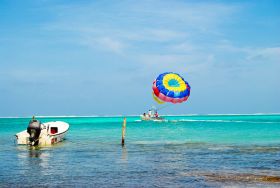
(54, 130)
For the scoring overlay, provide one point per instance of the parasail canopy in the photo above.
(170, 87)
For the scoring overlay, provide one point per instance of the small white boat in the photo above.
(42, 134)
(148, 118)
(152, 115)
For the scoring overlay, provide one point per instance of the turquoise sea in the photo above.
(184, 151)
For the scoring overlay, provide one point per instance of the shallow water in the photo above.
(184, 151)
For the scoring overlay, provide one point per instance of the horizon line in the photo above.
(133, 115)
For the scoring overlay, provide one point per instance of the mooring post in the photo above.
(123, 130)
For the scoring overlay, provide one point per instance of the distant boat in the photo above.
(148, 118)
(152, 115)
(42, 134)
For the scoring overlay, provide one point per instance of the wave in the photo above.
(219, 121)
(161, 142)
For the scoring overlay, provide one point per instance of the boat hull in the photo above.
(47, 135)
(146, 118)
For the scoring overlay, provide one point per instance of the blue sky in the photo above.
(100, 57)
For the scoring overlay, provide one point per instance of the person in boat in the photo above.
(156, 114)
(144, 115)
(150, 113)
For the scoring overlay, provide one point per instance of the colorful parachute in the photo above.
(170, 87)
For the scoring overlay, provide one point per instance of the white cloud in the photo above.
(106, 43)
(183, 47)
(113, 45)
(270, 53)
(163, 35)
(142, 21)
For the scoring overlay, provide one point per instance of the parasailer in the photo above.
(170, 87)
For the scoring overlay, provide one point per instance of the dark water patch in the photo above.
(236, 179)
(259, 149)
(242, 178)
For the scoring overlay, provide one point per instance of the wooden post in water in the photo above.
(123, 130)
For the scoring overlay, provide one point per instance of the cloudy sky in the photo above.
(63, 57)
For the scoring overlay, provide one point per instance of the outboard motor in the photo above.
(34, 130)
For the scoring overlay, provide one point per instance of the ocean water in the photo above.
(183, 151)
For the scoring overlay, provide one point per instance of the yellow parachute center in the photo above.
(182, 86)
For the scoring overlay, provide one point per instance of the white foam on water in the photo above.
(219, 121)
(145, 142)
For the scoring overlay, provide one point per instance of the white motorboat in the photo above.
(152, 115)
(148, 118)
(42, 134)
